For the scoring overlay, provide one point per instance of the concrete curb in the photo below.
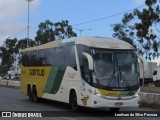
(150, 98)
(10, 83)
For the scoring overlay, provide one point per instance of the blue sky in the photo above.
(79, 11)
(13, 15)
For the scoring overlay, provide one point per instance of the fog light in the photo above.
(95, 102)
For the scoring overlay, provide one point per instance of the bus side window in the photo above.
(85, 71)
(69, 53)
(24, 59)
(59, 58)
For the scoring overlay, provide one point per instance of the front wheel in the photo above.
(73, 101)
(157, 83)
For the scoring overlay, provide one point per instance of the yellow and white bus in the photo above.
(91, 72)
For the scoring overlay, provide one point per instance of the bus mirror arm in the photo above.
(144, 63)
(145, 66)
(90, 60)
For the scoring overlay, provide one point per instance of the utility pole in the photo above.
(81, 30)
(28, 22)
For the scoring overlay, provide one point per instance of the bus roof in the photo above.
(96, 42)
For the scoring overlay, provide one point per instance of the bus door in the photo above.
(86, 81)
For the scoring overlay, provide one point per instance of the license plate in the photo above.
(118, 104)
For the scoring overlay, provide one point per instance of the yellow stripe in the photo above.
(109, 93)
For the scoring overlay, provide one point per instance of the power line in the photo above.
(92, 20)
(14, 35)
(20, 31)
(107, 16)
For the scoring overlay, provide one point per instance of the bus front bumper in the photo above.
(102, 102)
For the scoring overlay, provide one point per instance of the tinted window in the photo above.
(80, 49)
(50, 55)
(69, 52)
(59, 58)
(24, 59)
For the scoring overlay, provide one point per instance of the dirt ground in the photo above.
(150, 89)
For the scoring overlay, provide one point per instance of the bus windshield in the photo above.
(114, 69)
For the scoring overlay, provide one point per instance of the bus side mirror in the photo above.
(144, 63)
(90, 60)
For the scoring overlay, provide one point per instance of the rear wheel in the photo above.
(30, 95)
(34, 93)
(73, 101)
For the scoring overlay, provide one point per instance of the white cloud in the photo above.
(14, 8)
(12, 13)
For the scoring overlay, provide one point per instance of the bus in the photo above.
(89, 72)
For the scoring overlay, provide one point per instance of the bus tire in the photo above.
(157, 83)
(34, 93)
(29, 93)
(73, 101)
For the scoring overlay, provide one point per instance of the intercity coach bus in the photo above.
(86, 71)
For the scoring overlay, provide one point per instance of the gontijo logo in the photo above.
(37, 72)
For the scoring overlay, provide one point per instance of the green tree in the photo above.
(7, 53)
(63, 30)
(45, 33)
(10, 52)
(137, 28)
(22, 44)
(49, 31)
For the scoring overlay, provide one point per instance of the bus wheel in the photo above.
(73, 101)
(30, 95)
(114, 109)
(157, 83)
(34, 93)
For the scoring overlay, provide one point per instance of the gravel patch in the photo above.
(150, 89)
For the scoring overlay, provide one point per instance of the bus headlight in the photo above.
(96, 93)
(137, 93)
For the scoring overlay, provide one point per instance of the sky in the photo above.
(14, 16)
